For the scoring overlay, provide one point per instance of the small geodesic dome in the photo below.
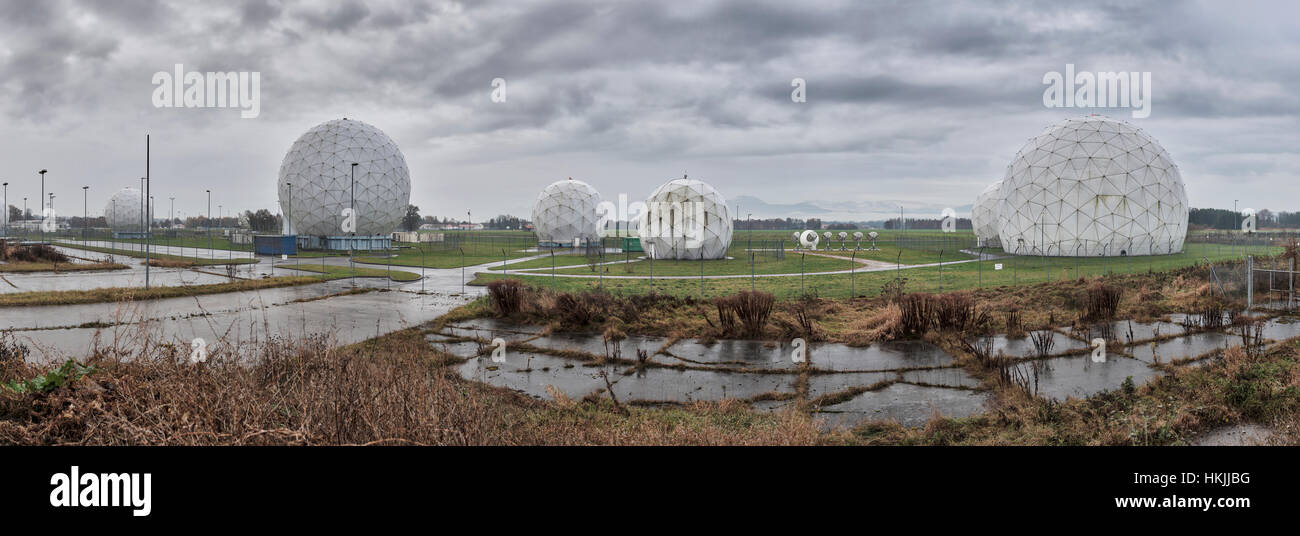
(984, 214)
(685, 219)
(123, 211)
(567, 210)
(316, 180)
(1092, 186)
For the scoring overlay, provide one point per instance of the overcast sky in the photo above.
(908, 101)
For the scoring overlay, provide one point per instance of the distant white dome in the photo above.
(984, 213)
(319, 167)
(685, 219)
(565, 210)
(1092, 186)
(123, 211)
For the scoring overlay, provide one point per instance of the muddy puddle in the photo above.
(688, 371)
(1026, 347)
(1080, 377)
(912, 380)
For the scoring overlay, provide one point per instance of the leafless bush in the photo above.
(1101, 302)
(1044, 340)
(31, 253)
(1251, 332)
(944, 312)
(506, 295)
(753, 310)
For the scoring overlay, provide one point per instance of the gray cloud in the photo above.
(915, 101)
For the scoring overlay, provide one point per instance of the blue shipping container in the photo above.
(275, 244)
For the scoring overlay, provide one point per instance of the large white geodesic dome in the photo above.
(984, 213)
(319, 168)
(123, 211)
(1092, 186)
(685, 219)
(567, 210)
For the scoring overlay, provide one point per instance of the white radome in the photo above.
(984, 214)
(318, 166)
(567, 210)
(123, 210)
(1092, 186)
(685, 219)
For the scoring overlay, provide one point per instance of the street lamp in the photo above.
(85, 220)
(353, 205)
(42, 172)
(209, 221)
(6, 209)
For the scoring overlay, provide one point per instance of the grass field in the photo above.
(342, 272)
(966, 275)
(102, 295)
(793, 263)
(25, 267)
(170, 261)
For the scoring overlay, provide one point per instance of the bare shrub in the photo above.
(573, 310)
(506, 295)
(1101, 302)
(753, 309)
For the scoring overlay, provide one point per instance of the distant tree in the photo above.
(504, 221)
(263, 221)
(411, 221)
(15, 213)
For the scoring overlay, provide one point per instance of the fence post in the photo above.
(853, 272)
(1250, 282)
(552, 269)
(751, 271)
(940, 269)
(462, 269)
(701, 273)
(801, 275)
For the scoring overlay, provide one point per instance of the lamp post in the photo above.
(6, 210)
(143, 202)
(85, 219)
(352, 204)
(209, 222)
(42, 172)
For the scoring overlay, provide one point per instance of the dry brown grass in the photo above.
(391, 390)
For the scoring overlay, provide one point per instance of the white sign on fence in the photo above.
(997, 266)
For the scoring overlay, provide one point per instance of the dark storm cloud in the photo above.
(915, 99)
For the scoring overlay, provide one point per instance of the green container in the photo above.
(632, 244)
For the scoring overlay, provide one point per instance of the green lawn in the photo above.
(793, 263)
(342, 272)
(198, 261)
(437, 256)
(545, 263)
(1015, 271)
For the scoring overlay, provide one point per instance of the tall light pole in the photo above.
(171, 214)
(6, 210)
(148, 208)
(209, 221)
(143, 201)
(42, 172)
(85, 213)
(56, 227)
(352, 202)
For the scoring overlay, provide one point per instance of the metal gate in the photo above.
(1274, 282)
